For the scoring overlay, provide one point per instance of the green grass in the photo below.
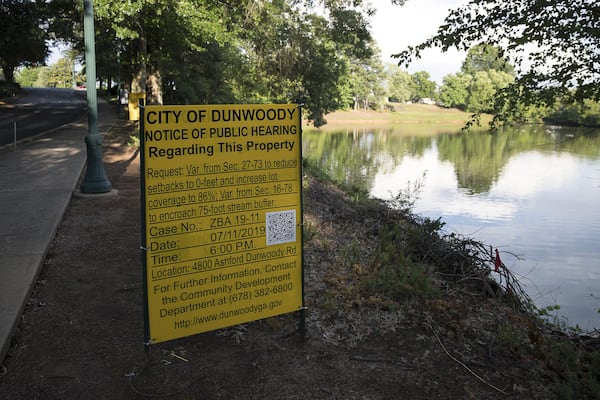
(405, 114)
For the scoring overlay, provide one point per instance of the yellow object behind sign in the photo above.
(134, 105)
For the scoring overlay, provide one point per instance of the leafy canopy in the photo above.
(200, 51)
(484, 57)
(483, 73)
(423, 86)
(399, 84)
(554, 45)
(22, 37)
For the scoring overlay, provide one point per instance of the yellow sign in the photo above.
(134, 105)
(223, 218)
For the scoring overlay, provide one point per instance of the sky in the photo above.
(396, 27)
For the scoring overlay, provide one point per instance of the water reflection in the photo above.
(532, 191)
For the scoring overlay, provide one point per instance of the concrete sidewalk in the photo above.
(37, 180)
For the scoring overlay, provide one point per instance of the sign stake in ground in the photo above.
(222, 216)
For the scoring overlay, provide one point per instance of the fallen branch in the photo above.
(463, 364)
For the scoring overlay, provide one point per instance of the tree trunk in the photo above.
(154, 86)
(9, 73)
(147, 80)
(138, 81)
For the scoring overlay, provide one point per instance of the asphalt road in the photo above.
(38, 111)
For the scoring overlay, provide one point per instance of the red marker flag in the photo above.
(497, 261)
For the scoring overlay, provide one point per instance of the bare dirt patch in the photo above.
(81, 336)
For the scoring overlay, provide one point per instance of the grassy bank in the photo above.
(405, 114)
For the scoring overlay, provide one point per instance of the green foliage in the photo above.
(473, 93)
(421, 236)
(28, 76)
(405, 199)
(351, 253)
(365, 84)
(252, 51)
(455, 90)
(483, 73)
(569, 115)
(551, 316)
(575, 366)
(422, 86)
(134, 141)
(403, 87)
(483, 57)
(405, 280)
(309, 231)
(399, 87)
(396, 275)
(50, 76)
(511, 338)
(22, 37)
(350, 32)
(480, 93)
(65, 21)
(575, 114)
(61, 74)
(552, 44)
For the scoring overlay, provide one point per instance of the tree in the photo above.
(61, 73)
(306, 57)
(199, 51)
(153, 36)
(28, 76)
(399, 85)
(553, 45)
(483, 57)
(483, 73)
(422, 86)
(365, 83)
(22, 35)
(473, 93)
(455, 90)
(481, 91)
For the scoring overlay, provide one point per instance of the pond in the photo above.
(532, 192)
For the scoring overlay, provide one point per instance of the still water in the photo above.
(532, 192)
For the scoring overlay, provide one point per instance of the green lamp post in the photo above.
(95, 180)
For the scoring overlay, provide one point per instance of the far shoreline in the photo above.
(400, 114)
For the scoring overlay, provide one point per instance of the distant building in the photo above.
(427, 100)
